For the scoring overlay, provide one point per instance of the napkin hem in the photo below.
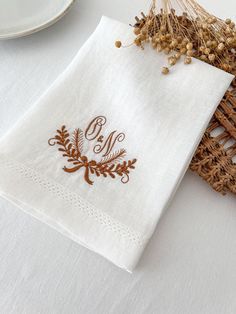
(97, 230)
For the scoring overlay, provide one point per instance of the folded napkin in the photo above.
(103, 150)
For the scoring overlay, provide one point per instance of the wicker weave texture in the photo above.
(214, 159)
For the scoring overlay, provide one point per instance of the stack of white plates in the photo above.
(23, 17)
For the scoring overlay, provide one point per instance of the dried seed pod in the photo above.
(143, 31)
(163, 29)
(183, 51)
(136, 31)
(174, 43)
(177, 56)
(189, 46)
(172, 60)
(137, 42)
(179, 38)
(118, 44)
(190, 53)
(187, 60)
(165, 70)
(163, 38)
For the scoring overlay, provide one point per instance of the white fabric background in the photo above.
(190, 263)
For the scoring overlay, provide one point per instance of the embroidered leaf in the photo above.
(97, 173)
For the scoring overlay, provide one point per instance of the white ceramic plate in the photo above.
(23, 17)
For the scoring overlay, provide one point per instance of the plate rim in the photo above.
(40, 27)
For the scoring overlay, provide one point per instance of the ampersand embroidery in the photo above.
(110, 164)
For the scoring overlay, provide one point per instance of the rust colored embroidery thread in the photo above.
(110, 165)
(93, 131)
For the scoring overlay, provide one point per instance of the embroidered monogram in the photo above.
(93, 131)
(110, 164)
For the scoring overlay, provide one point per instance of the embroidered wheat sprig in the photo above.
(113, 157)
(78, 141)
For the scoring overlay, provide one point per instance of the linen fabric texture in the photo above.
(126, 135)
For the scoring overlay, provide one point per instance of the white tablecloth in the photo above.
(190, 263)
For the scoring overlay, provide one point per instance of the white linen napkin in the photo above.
(103, 150)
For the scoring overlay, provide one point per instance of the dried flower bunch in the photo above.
(194, 33)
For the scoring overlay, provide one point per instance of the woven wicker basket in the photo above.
(214, 159)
